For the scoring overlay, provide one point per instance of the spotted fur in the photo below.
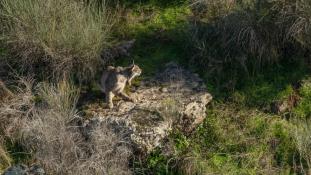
(114, 80)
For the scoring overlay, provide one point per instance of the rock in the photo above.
(164, 90)
(174, 98)
(21, 169)
(36, 170)
(120, 50)
(194, 112)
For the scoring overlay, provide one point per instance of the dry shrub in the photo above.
(15, 107)
(211, 9)
(296, 16)
(49, 130)
(66, 36)
(234, 38)
(192, 164)
(58, 144)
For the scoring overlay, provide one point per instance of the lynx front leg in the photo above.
(109, 97)
(126, 97)
(129, 82)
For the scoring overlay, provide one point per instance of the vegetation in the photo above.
(59, 36)
(253, 55)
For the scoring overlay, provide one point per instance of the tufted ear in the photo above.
(110, 68)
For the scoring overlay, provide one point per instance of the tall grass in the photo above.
(65, 35)
(302, 138)
(233, 39)
(297, 15)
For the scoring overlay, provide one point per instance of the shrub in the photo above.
(303, 108)
(296, 15)
(233, 39)
(65, 36)
(15, 107)
(58, 144)
(41, 120)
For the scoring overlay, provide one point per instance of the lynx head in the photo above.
(135, 70)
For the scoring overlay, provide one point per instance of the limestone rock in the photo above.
(174, 98)
(21, 169)
(16, 170)
(117, 51)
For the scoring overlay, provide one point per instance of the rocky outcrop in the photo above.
(174, 98)
(117, 51)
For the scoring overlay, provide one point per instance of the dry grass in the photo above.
(48, 130)
(58, 144)
(5, 160)
(296, 16)
(240, 38)
(212, 9)
(15, 107)
(65, 36)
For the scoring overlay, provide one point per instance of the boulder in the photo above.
(21, 169)
(174, 98)
(17, 170)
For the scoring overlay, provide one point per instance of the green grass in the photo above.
(274, 84)
(232, 141)
(159, 36)
(240, 135)
(303, 110)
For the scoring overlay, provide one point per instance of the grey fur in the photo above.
(114, 80)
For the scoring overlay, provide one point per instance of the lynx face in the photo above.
(136, 71)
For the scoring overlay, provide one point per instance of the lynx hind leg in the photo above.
(125, 96)
(109, 97)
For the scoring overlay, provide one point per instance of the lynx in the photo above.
(114, 79)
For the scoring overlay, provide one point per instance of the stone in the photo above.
(21, 169)
(120, 50)
(174, 98)
(36, 170)
(18, 169)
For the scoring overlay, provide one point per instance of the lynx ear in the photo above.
(110, 68)
(133, 63)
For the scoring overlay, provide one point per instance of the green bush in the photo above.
(65, 35)
(303, 109)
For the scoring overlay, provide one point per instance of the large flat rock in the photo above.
(174, 98)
